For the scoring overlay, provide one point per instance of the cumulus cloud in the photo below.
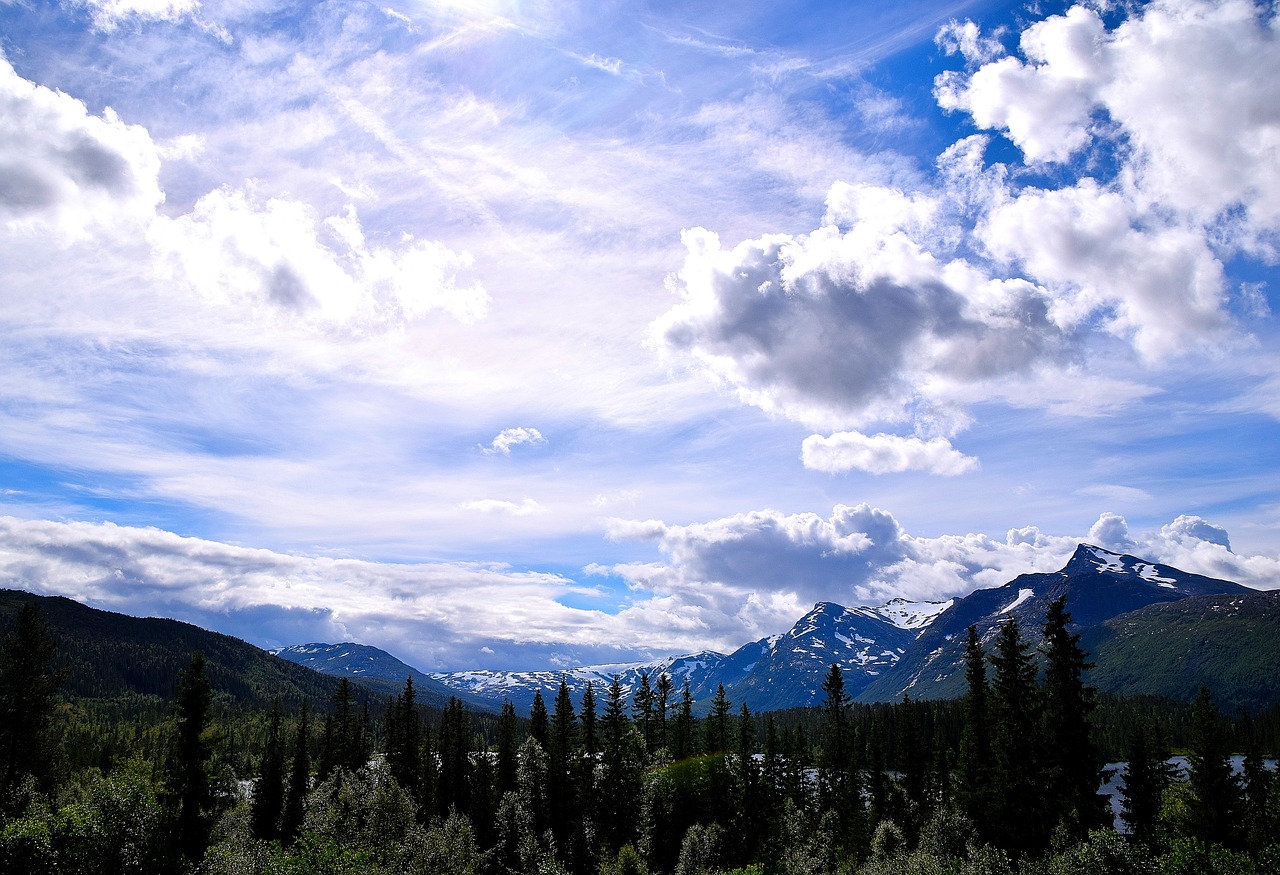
(66, 171)
(1219, 56)
(905, 308)
(860, 320)
(767, 561)
(883, 454)
(511, 437)
(277, 258)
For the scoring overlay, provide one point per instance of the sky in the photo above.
(529, 334)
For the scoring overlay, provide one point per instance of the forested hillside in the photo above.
(1004, 780)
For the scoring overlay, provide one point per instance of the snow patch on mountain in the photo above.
(1023, 595)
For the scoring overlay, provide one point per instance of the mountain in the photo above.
(1098, 584)
(375, 669)
(108, 655)
(1229, 643)
(917, 648)
(781, 671)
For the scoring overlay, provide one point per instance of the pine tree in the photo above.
(1022, 823)
(299, 781)
(1071, 761)
(28, 685)
(1215, 805)
(590, 744)
(686, 728)
(643, 710)
(505, 776)
(973, 772)
(187, 781)
(839, 790)
(404, 746)
(619, 791)
(453, 787)
(716, 726)
(560, 779)
(539, 727)
(268, 789)
(1147, 774)
(662, 702)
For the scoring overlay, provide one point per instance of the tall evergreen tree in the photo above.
(1147, 774)
(662, 703)
(268, 788)
(1261, 821)
(686, 729)
(28, 685)
(1215, 804)
(1071, 761)
(453, 785)
(404, 746)
(839, 790)
(590, 743)
(1022, 818)
(973, 771)
(505, 775)
(562, 742)
(539, 726)
(299, 780)
(619, 791)
(188, 785)
(716, 726)
(643, 710)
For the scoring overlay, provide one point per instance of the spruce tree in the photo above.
(299, 781)
(839, 790)
(404, 746)
(590, 744)
(1215, 804)
(716, 726)
(1022, 809)
(643, 710)
(973, 771)
(1071, 761)
(562, 742)
(662, 703)
(189, 790)
(28, 686)
(1147, 774)
(539, 726)
(268, 788)
(619, 791)
(505, 774)
(686, 728)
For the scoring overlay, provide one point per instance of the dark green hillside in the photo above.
(1229, 643)
(108, 656)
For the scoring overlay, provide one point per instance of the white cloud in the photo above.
(512, 437)
(65, 171)
(966, 39)
(1188, 84)
(883, 454)
(109, 14)
(496, 505)
(277, 258)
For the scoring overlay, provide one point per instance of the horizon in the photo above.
(524, 334)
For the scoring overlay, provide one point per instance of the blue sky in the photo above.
(528, 334)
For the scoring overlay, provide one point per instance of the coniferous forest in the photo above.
(1003, 781)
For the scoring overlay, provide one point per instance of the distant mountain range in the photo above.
(1134, 616)
(1150, 628)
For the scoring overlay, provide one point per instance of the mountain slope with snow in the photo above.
(1098, 584)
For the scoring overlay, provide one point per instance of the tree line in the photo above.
(1006, 780)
